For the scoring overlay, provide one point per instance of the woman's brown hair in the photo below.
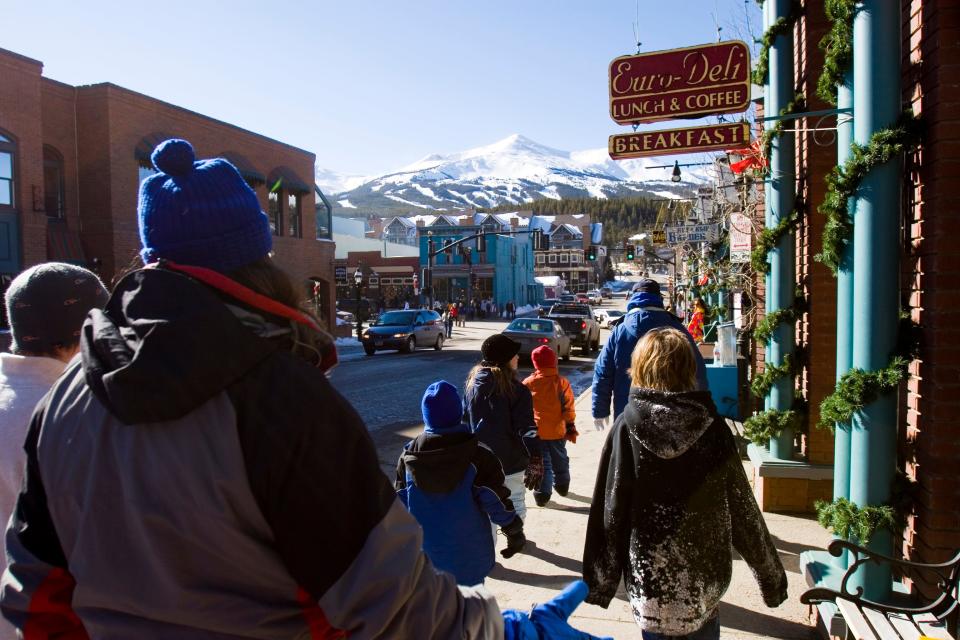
(663, 360)
(503, 378)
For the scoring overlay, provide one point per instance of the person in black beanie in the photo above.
(500, 411)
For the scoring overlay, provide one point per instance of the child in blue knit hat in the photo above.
(454, 486)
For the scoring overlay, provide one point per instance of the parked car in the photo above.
(404, 330)
(568, 297)
(544, 307)
(579, 323)
(582, 298)
(535, 332)
(607, 316)
(595, 297)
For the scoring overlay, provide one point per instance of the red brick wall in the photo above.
(58, 120)
(930, 273)
(20, 118)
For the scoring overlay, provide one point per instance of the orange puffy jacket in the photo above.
(552, 403)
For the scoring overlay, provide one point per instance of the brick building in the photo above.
(927, 403)
(71, 162)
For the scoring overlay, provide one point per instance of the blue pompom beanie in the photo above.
(199, 212)
(441, 408)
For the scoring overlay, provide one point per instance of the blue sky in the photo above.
(370, 85)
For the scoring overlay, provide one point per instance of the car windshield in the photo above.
(525, 324)
(395, 318)
(614, 314)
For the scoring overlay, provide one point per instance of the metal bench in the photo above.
(909, 620)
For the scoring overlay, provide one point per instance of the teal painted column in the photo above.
(841, 442)
(876, 103)
(782, 277)
(769, 15)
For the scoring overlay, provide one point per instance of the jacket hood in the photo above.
(438, 462)
(644, 299)
(165, 344)
(666, 423)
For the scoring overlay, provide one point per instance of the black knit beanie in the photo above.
(498, 349)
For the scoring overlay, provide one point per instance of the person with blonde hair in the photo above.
(671, 500)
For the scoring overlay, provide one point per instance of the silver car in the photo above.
(537, 332)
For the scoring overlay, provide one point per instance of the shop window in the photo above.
(564, 258)
(574, 258)
(295, 227)
(7, 151)
(275, 212)
(53, 183)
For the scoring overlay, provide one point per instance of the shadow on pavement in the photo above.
(576, 497)
(389, 441)
(734, 617)
(557, 560)
(500, 572)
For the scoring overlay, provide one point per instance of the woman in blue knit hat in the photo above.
(199, 476)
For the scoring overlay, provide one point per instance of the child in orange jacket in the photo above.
(554, 414)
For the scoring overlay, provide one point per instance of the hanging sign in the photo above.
(740, 238)
(340, 274)
(693, 233)
(674, 141)
(707, 79)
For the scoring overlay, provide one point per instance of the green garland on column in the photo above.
(797, 105)
(843, 182)
(769, 324)
(782, 26)
(763, 426)
(852, 522)
(837, 46)
(768, 239)
(858, 388)
(762, 383)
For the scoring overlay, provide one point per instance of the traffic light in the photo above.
(631, 252)
(592, 253)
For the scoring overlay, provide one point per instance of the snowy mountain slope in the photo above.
(512, 171)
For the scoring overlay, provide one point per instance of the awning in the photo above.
(244, 166)
(146, 146)
(287, 179)
(63, 244)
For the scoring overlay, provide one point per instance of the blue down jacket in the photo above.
(611, 375)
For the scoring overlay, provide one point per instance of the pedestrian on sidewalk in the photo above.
(671, 500)
(203, 378)
(500, 410)
(555, 416)
(454, 486)
(611, 374)
(46, 306)
(450, 317)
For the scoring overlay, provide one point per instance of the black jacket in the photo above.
(670, 502)
(504, 424)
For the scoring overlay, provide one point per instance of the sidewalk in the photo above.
(554, 550)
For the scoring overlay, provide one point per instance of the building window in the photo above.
(552, 259)
(7, 149)
(274, 212)
(574, 258)
(564, 258)
(293, 215)
(541, 259)
(53, 184)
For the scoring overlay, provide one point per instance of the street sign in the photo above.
(373, 281)
(674, 141)
(657, 236)
(706, 79)
(741, 242)
(340, 274)
(693, 233)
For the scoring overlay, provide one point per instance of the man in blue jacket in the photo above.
(611, 375)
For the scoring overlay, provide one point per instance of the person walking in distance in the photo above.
(194, 474)
(46, 306)
(500, 410)
(555, 417)
(611, 379)
(671, 501)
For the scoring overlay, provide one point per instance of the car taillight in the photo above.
(544, 341)
(583, 324)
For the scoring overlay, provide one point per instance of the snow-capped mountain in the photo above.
(512, 171)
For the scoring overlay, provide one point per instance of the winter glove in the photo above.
(515, 537)
(600, 423)
(533, 474)
(548, 621)
(572, 433)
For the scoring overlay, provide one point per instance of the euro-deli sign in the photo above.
(693, 233)
(712, 137)
(707, 79)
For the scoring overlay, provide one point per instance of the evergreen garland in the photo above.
(797, 105)
(768, 239)
(762, 383)
(858, 388)
(837, 46)
(843, 182)
(762, 427)
(782, 26)
(850, 521)
(770, 322)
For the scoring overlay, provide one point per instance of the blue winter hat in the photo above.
(441, 408)
(199, 212)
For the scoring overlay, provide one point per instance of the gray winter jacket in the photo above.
(191, 479)
(671, 501)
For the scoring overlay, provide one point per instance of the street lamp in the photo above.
(429, 279)
(358, 280)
